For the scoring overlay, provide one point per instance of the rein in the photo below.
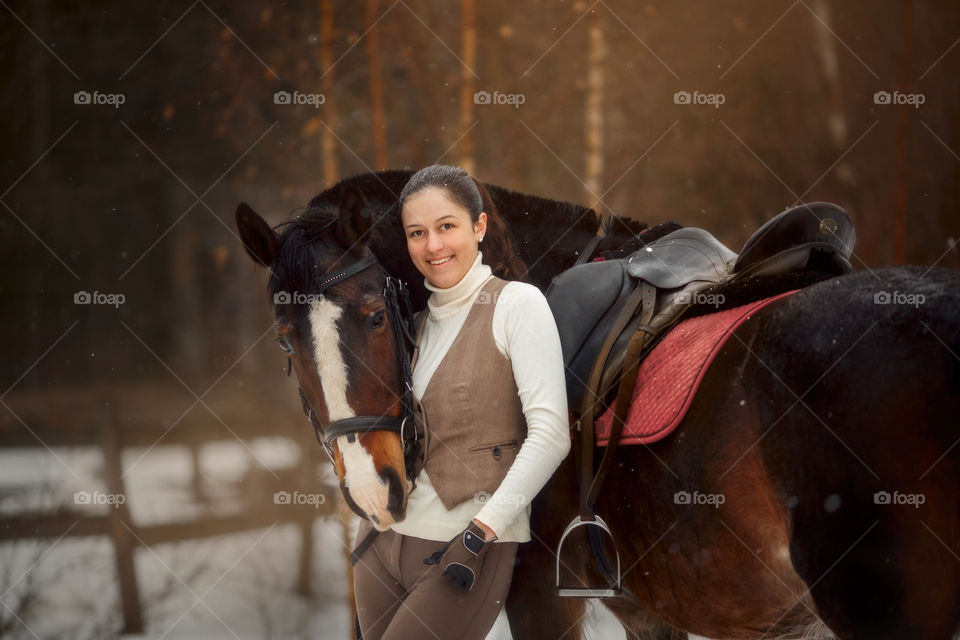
(400, 312)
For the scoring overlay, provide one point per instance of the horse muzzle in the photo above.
(383, 503)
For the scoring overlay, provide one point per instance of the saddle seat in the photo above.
(587, 299)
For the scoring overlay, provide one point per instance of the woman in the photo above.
(488, 376)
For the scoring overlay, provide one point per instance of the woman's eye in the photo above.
(285, 345)
(446, 225)
(376, 320)
(415, 234)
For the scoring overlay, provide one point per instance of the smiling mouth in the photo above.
(440, 261)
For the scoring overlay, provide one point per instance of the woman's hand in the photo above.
(462, 557)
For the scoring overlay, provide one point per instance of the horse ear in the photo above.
(258, 238)
(354, 221)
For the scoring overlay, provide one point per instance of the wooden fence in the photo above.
(35, 420)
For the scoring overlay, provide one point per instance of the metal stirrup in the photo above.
(614, 591)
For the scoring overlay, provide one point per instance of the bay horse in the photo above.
(828, 423)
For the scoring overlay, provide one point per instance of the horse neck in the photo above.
(550, 235)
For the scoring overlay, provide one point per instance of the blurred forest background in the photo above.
(131, 131)
(139, 199)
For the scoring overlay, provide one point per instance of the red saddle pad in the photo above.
(670, 374)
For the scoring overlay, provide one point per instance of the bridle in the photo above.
(399, 311)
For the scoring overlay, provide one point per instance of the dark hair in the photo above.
(470, 194)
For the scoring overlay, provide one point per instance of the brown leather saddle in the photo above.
(609, 313)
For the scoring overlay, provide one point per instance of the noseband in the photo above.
(399, 311)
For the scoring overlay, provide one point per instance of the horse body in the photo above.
(817, 407)
(878, 418)
(824, 412)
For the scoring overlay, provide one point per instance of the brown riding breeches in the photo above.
(401, 598)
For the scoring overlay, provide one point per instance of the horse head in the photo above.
(329, 297)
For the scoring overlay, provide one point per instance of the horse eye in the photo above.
(285, 345)
(376, 320)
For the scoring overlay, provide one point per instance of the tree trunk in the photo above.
(328, 145)
(596, 55)
(467, 84)
(826, 48)
(377, 111)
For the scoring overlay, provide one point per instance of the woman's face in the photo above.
(441, 238)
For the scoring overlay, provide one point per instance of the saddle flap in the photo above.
(579, 297)
(682, 257)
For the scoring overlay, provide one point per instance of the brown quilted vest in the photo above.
(473, 417)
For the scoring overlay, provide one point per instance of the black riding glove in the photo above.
(462, 557)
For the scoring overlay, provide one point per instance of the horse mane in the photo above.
(293, 264)
(618, 247)
(381, 187)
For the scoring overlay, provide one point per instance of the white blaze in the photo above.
(367, 489)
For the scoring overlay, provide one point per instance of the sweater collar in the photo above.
(446, 302)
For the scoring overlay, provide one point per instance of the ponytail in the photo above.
(497, 245)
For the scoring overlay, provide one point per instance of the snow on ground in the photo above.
(228, 587)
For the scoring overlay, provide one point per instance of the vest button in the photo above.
(497, 453)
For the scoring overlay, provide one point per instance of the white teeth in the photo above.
(439, 261)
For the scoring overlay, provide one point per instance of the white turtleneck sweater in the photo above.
(525, 332)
